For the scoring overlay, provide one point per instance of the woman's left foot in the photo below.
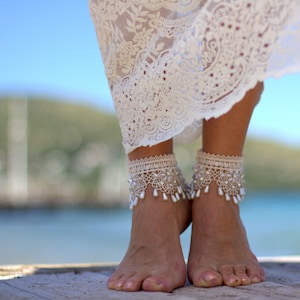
(220, 253)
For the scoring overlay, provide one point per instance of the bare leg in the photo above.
(154, 259)
(220, 253)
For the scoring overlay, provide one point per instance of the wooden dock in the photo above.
(88, 282)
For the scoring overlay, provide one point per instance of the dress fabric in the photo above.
(172, 63)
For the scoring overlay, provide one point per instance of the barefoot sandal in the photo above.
(226, 171)
(162, 173)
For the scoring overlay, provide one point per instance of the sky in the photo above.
(49, 48)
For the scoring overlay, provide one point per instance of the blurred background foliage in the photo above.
(75, 156)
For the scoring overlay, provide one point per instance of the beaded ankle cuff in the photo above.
(226, 171)
(162, 173)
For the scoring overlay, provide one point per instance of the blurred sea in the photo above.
(77, 235)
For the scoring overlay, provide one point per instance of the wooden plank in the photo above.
(89, 282)
(10, 292)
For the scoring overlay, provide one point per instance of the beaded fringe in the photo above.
(162, 173)
(226, 171)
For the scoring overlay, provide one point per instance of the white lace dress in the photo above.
(172, 63)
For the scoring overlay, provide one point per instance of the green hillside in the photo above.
(75, 155)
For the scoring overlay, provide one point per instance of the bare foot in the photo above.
(154, 259)
(220, 253)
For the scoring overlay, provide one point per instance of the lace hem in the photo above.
(171, 64)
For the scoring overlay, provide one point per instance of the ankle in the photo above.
(155, 150)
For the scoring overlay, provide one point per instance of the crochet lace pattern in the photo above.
(226, 171)
(172, 63)
(161, 173)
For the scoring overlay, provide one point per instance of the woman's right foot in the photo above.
(154, 260)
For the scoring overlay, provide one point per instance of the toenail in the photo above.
(128, 285)
(209, 277)
(111, 283)
(245, 280)
(255, 280)
(232, 280)
(119, 284)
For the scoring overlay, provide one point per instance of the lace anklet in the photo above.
(162, 173)
(226, 171)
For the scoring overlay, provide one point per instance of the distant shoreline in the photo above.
(96, 204)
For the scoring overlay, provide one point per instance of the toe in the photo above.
(158, 284)
(256, 274)
(240, 272)
(119, 284)
(112, 281)
(134, 283)
(206, 277)
(117, 281)
(111, 284)
(228, 275)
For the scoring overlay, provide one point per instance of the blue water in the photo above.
(92, 235)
